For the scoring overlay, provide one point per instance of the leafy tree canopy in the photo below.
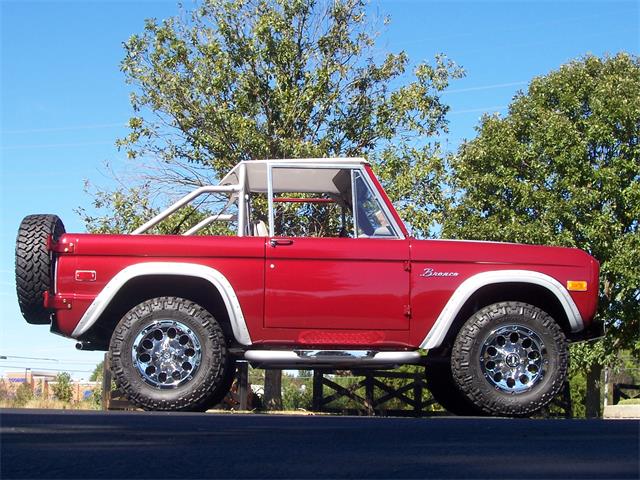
(563, 168)
(253, 79)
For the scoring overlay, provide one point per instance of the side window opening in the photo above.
(319, 202)
(307, 215)
(312, 202)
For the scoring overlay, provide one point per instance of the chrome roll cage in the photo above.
(239, 190)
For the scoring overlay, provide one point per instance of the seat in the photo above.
(260, 229)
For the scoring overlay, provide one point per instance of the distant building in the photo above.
(42, 382)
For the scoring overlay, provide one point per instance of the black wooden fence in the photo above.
(622, 390)
(371, 395)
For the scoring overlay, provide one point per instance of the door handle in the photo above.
(280, 241)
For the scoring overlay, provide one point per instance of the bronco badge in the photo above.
(430, 272)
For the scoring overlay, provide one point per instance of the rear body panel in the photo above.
(240, 258)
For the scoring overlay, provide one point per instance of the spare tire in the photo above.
(34, 265)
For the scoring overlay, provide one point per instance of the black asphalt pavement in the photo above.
(73, 444)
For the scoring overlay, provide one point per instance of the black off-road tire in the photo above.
(225, 384)
(468, 374)
(444, 390)
(34, 265)
(210, 382)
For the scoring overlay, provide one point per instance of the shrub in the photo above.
(295, 397)
(62, 389)
(24, 394)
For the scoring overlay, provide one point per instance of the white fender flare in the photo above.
(213, 276)
(440, 328)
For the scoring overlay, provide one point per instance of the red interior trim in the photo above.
(302, 200)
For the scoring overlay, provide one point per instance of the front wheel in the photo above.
(169, 353)
(443, 389)
(510, 358)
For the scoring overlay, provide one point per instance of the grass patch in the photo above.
(51, 404)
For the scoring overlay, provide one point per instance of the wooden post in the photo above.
(243, 384)
(592, 399)
(317, 390)
(616, 394)
(569, 400)
(106, 382)
(368, 394)
(417, 392)
(273, 389)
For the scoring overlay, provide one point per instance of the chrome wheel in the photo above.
(513, 359)
(166, 354)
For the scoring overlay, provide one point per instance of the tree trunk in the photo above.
(273, 389)
(592, 398)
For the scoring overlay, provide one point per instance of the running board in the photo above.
(329, 358)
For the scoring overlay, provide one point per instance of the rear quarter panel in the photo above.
(239, 259)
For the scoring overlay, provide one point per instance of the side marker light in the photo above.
(576, 285)
(86, 275)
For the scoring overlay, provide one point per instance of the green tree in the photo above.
(562, 168)
(251, 79)
(96, 376)
(98, 372)
(63, 389)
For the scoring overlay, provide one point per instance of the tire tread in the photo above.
(34, 265)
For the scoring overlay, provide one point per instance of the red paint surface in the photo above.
(337, 283)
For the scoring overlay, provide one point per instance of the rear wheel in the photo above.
(510, 358)
(169, 353)
(34, 265)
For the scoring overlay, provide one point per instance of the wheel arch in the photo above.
(486, 288)
(134, 284)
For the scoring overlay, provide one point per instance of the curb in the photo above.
(622, 411)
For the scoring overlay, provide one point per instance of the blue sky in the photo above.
(64, 101)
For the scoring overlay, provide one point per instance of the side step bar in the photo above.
(329, 358)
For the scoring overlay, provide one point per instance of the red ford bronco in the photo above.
(320, 272)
